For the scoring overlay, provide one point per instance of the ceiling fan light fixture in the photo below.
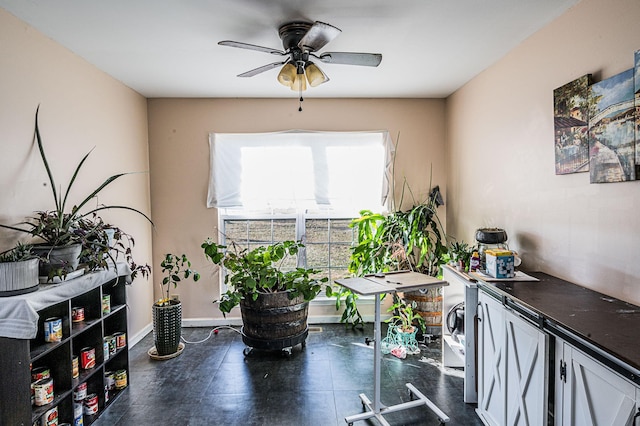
(299, 84)
(315, 76)
(287, 75)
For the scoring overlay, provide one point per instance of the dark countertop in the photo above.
(606, 322)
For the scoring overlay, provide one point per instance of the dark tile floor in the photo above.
(214, 383)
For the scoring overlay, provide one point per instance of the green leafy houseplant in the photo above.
(261, 270)
(404, 316)
(19, 253)
(460, 253)
(175, 268)
(411, 239)
(62, 227)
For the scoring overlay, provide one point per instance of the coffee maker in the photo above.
(490, 238)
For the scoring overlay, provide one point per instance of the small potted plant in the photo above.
(167, 312)
(403, 326)
(60, 230)
(18, 271)
(273, 298)
(461, 254)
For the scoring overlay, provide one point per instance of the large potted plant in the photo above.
(411, 239)
(272, 296)
(18, 271)
(167, 312)
(60, 231)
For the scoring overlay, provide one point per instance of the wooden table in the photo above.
(375, 285)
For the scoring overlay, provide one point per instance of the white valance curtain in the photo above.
(300, 169)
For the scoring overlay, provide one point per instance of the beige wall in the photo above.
(179, 155)
(500, 154)
(80, 108)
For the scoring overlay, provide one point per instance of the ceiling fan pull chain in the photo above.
(300, 102)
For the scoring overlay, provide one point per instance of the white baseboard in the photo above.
(135, 339)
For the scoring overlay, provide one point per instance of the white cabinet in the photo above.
(588, 393)
(512, 366)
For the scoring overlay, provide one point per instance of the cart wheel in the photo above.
(247, 351)
(350, 424)
(286, 352)
(304, 344)
(411, 395)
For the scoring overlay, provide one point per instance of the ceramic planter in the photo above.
(18, 277)
(167, 327)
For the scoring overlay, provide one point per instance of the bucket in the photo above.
(273, 316)
(428, 305)
(18, 277)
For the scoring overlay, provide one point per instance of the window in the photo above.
(303, 186)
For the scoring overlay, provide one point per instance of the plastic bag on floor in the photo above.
(399, 352)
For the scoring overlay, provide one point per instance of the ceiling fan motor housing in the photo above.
(292, 33)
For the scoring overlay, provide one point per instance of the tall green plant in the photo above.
(412, 239)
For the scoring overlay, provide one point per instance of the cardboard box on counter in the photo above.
(500, 263)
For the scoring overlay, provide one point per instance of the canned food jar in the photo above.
(77, 413)
(121, 339)
(121, 379)
(40, 373)
(110, 380)
(111, 340)
(43, 391)
(75, 370)
(50, 417)
(53, 330)
(106, 304)
(87, 358)
(91, 404)
(77, 314)
(105, 349)
(80, 392)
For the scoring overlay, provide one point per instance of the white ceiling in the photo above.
(169, 48)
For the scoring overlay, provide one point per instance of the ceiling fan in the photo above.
(301, 42)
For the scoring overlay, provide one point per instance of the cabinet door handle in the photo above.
(635, 418)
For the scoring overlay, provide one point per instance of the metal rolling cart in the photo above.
(376, 285)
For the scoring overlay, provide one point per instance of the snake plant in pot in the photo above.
(167, 312)
(63, 233)
(272, 293)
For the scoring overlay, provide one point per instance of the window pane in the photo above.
(235, 230)
(317, 255)
(317, 230)
(340, 230)
(340, 255)
(284, 230)
(260, 232)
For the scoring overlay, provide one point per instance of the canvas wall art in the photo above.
(612, 123)
(570, 124)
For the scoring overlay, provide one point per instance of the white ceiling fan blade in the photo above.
(352, 58)
(248, 46)
(318, 36)
(261, 69)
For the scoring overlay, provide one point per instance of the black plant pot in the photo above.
(167, 327)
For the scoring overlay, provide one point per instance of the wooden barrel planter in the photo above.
(428, 304)
(273, 321)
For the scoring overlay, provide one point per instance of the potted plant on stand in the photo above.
(273, 299)
(60, 231)
(167, 312)
(18, 271)
(402, 328)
